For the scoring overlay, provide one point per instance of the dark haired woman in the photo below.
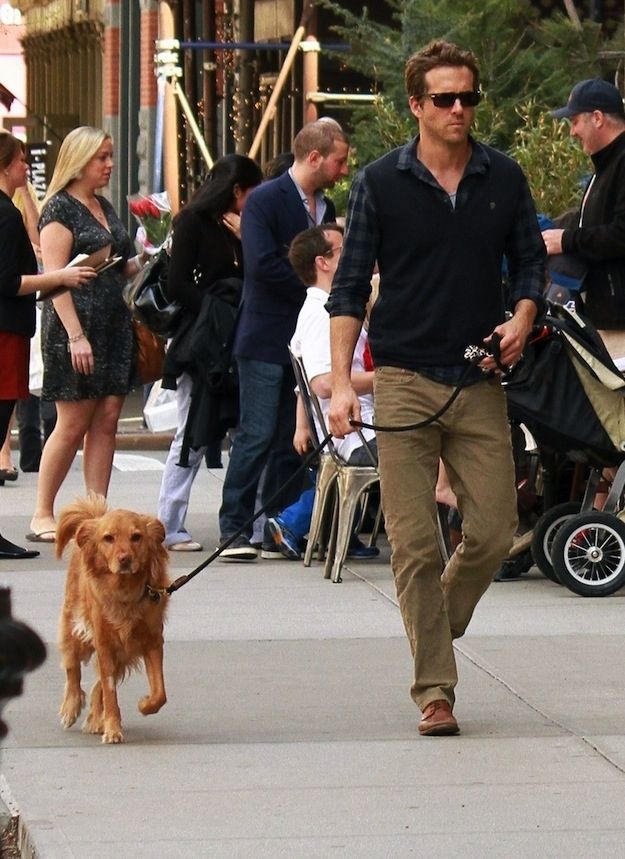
(19, 282)
(206, 248)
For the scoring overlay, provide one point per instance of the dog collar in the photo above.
(154, 594)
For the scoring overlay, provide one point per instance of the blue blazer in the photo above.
(272, 293)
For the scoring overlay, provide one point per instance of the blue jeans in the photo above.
(264, 438)
(297, 517)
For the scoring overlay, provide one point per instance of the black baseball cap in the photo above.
(593, 94)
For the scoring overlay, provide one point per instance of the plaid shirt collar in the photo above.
(479, 162)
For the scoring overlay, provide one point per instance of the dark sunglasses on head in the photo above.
(469, 98)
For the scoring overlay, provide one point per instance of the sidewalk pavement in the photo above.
(289, 730)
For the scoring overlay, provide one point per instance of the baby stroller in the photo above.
(571, 398)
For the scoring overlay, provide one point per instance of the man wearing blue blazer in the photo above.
(275, 213)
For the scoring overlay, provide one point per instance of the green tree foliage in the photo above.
(554, 163)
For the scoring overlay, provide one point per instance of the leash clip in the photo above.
(153, 594)
(475, 354)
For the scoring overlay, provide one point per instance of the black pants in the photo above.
(33, 414)
(6, 410)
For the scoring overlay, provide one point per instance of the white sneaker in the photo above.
(185, 546)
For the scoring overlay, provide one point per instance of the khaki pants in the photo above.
(473, 440)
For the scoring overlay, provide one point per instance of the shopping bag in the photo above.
(160, 410)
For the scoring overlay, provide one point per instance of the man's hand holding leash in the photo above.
(513, 333)
(344, 405)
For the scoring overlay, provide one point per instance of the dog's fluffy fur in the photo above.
(107, 609)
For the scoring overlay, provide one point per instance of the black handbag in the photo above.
(149, 301)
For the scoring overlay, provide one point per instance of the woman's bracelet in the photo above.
(75, 339)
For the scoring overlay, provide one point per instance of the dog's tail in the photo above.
(71, 518)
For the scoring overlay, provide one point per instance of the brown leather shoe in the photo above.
(438, 720)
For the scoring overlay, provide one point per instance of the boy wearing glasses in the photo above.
(438, 215)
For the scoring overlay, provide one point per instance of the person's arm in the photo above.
(361, 381)
(134, 265)
(595, 243)
(553, 241)
(344, 332)
(264, 251)
(301, 439)
(514, 333)
(347, 303)
(56, 248)
(526, 257)
(12, 281)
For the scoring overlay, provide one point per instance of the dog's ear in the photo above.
(85, 534)
(159, 556)
(155, 529)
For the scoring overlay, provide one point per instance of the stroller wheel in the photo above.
(589, 554)
(544, 534)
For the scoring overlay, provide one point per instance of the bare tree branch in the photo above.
(571, 11)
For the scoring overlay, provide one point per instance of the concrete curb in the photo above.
(143, 440)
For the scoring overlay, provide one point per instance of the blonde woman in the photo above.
(87, 338)
(19, 282)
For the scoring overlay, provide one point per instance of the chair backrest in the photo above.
(313, 410)
(307, 395)
(305, 392)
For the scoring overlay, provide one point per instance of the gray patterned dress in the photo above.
(100, 307)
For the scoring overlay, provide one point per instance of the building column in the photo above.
(148, 95)
(110, 77)
(170, 128)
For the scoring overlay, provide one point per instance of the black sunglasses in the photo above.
(469, 98)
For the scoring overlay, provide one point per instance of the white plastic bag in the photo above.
(35, 380)
(160, 410)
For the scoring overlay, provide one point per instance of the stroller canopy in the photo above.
(567, 391)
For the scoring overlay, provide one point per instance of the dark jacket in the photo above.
(202, 252)
(17, 312)
(600, 241)
(215, 393)
(272, 293)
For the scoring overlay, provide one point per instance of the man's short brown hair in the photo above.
(306, 247)
(433, 55)
(319, 135)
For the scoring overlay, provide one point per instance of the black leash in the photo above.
(473, 354)
(155, 593)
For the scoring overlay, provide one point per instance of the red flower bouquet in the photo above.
(154, 215)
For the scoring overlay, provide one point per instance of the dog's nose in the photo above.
(124, 559)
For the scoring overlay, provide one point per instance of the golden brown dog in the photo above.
(109, 609)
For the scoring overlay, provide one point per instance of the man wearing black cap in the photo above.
(595, 110)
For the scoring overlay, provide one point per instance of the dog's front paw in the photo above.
(148, 705)
(71, 708)
(113, 736)
(93, 725)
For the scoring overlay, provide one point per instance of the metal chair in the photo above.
(350, 483)
(326, 474)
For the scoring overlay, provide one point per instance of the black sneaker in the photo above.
(239, 551)
(359, 552)
(513, 568)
